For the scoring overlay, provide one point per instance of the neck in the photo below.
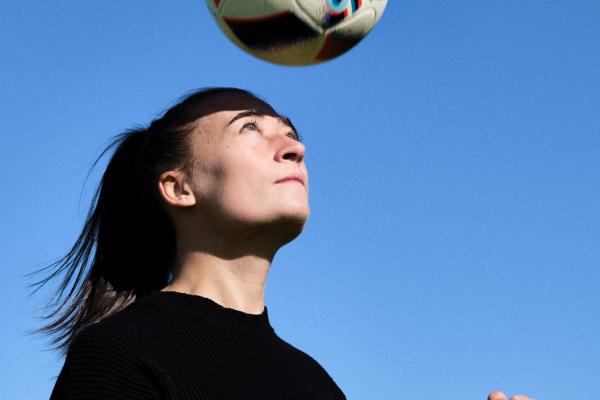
(237, 283)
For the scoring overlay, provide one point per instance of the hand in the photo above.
(500, 396)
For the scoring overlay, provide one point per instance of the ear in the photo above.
(175, 189)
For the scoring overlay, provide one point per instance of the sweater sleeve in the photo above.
(101, 365)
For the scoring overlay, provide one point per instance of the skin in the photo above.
(233, 215)
(500, 396)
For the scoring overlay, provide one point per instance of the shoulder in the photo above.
(104, 361)
(310, 371)
(123, 331)
(112, 339)
(298, 355)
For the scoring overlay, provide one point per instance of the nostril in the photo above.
(290, 156)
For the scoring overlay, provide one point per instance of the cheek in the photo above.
(241, 177)
(206, 180)
(305, 171)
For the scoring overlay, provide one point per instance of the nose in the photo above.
(290, 150)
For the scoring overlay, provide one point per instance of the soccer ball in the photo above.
(296, 32)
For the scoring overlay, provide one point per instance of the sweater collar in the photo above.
(211, 311)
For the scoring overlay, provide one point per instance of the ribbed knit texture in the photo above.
(171, 345)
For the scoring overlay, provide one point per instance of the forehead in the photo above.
(226, 118)
(228, 102)
(220, 121)
(227, 105)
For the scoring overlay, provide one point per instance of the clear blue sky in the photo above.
(454, 241)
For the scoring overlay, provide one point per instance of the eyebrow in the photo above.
(255, 113)
(244, 114)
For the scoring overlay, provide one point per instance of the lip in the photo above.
(292, 178)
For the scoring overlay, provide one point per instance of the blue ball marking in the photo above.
(337, 5)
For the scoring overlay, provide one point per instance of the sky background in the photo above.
(454, 158)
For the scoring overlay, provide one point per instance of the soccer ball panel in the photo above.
(358, 26)
(213, 5)
(314, 9)
(378, 6)
(302, 53)
(278, 36)
(286, 52)
(329, 13)
(346, 35)
(249, 9)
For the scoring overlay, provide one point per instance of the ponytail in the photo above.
(126, 247)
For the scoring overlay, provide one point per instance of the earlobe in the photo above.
(175, 190)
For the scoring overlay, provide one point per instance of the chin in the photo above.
(290, 233)
(288, 227)
(298, 217)
(280, 227)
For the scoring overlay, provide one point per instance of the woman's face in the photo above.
(249, 171)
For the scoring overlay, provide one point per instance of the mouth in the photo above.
(292, 178)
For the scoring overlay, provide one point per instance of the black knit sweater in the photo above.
(171, 345)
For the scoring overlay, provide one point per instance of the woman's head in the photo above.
(221, 166)
(247, 185)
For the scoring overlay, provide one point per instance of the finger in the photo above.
(497, 396)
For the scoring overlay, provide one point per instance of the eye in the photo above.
(294, 135)
(251, 126)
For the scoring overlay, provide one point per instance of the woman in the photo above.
(163, 292)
